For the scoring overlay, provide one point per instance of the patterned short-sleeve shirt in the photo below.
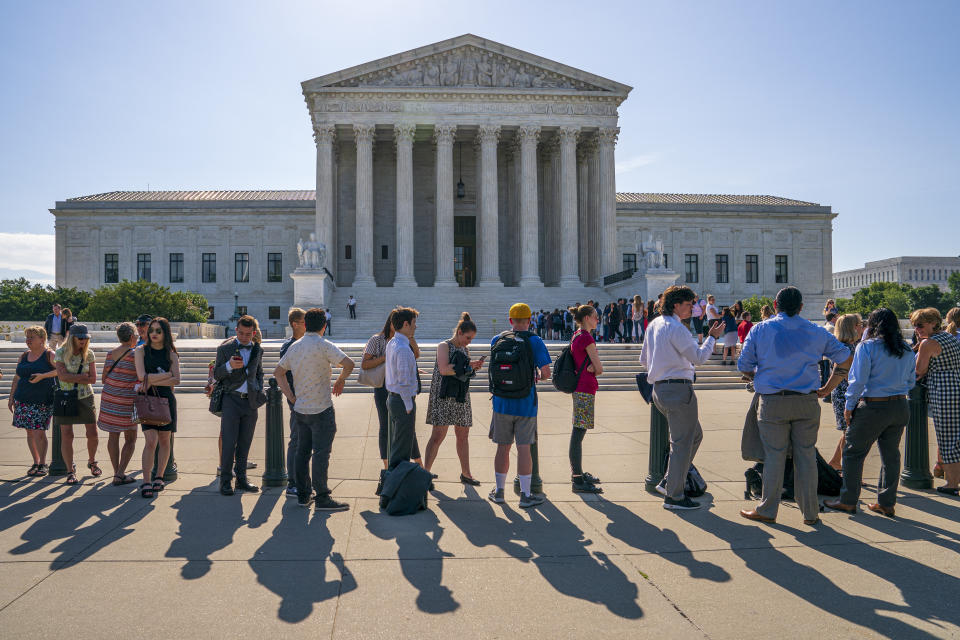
(84, 390)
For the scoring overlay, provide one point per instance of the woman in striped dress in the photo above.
(939, 360)
(116, 402)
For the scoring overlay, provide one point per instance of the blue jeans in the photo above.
(315, 434)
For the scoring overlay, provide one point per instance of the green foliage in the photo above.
(21, 300)
(753, 304)
(895, 297)
(127, 300)
(954, 294)
(930, 296)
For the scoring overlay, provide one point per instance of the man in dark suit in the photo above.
(54, 325)
(238, 367)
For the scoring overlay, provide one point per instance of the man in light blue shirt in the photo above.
(782, 356)
(402, 383)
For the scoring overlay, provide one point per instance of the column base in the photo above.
(446, 284)
(490, 284)
(364, 280)
(406, 281)
(570, 281)
(530, 282)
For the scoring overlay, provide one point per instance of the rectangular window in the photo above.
(209, 273)
(691, 267)
(347, 252)
(629, 261)
(176, 267)
(666, 261)
(753, 268)
(241, 267)
(111, 267)
(143, 267)
(723, 268)
(210, 315)
(780, 269)
(384, 252)
(274, 267)
(273, 313)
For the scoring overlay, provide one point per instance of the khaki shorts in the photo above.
(506, 429)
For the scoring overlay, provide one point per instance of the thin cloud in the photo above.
(635, 162)
(31, 254)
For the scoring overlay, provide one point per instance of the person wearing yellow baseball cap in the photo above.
(517, 357)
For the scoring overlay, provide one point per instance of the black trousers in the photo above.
(883, 423)
(315, 434)
(380, 401)
(402, 430)
(237, 424)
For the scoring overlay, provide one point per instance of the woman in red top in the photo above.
(583, 346)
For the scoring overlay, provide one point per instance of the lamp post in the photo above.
(236, 312)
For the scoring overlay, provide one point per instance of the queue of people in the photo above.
(873, 371)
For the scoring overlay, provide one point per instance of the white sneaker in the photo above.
(662, 488)
(497, 496)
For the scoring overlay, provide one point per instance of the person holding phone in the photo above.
(449, 402)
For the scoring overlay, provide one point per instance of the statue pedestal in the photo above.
(312, 288)
(657, 280)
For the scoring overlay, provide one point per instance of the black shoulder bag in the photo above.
(66, 402)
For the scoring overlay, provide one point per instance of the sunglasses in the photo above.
(158, 330)
(77, 338)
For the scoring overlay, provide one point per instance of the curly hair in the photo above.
(675, 295)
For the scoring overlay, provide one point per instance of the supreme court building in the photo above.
(461, 174)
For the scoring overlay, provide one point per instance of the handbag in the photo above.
(644, 387)
(151, 410)
(374, 377)
(66, 402)
(216, 399)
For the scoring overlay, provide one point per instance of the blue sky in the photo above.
(850, 104)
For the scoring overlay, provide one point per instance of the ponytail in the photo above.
(464, 325)
(581, 312)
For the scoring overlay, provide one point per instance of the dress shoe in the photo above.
(836, 505)
(243, 485)
(812, 522)
(879, 508)
(753, 515)
(226, 489)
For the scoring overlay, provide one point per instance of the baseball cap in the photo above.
(79, 331)
(520, 311)
(143, 319)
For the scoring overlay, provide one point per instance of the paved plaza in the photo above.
(96, 561)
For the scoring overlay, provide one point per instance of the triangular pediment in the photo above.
(467, 62)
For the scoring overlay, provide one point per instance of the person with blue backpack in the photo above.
(516, 357)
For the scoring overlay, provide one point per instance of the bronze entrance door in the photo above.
(465, 250)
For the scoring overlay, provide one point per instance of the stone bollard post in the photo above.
(170, 473)
(536, 483)
(916, 451)
(275, 474)
(659, 447)
(57, 466)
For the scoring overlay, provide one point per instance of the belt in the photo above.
(886, 398)
(239, 395)
(674, 381)
(787, 392)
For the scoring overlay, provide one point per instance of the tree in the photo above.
(126, 300)
(21, 300)
(930, 296)
(879, 294)
(754, 303)
(954, 294)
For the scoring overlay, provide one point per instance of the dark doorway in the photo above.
(465, 250)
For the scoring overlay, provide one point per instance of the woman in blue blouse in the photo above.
(876, 410)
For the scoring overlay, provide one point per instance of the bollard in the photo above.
(170, 473)
(916, 451)
(536, 483)
(659, 447)
(275, 474)
(57, 466)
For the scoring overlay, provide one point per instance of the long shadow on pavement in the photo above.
(555, 545)
(752, 544)
(421, 559)
(31, 499)
(292, 563)
(208, 522)
(633, 530)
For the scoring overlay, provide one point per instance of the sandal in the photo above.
(71, 479)
(158, 485)
(32, 471)
(121, 480)
(94, 469)
(41, 469)
(473, 482)
(146, 490)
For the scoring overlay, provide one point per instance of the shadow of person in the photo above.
(23, 504)
(909, 529)
(752, 543)
(633, 530)
(208, 522)
(306, 542)
(476, 518)
(70, 522)
(421, 559)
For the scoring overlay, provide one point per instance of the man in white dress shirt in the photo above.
(670, 354)
(403, 384)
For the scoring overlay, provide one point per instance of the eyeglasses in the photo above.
(142, 324)
(158, 330)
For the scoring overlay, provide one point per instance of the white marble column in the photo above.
(569, 230)
(324, 136)
(583, 210)
(529, 262)
(489, 135)
(403, 135)
(594, 224)
(443, 135)
(609, 261)
(551, 210)
(364, 134)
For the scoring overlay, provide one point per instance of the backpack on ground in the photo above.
(566, 375)
(511, 365)
(829, 480)
(405, 489)
(694, 485)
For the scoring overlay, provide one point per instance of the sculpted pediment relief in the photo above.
(467, 67)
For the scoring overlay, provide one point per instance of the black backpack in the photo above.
(694, 485)
(511, 365)
(405, 489)
(566, 375)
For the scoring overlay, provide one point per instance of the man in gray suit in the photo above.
(238, 367)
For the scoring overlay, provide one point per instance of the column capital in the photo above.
(488, 134)
(588, 145)
(550, 146)
(608, 135)
(568, 135)
(444, 133)
(528, 134)
(364, 133)
(404, 132)
(324, 133)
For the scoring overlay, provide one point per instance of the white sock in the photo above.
(501, 480)
(525, 484)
